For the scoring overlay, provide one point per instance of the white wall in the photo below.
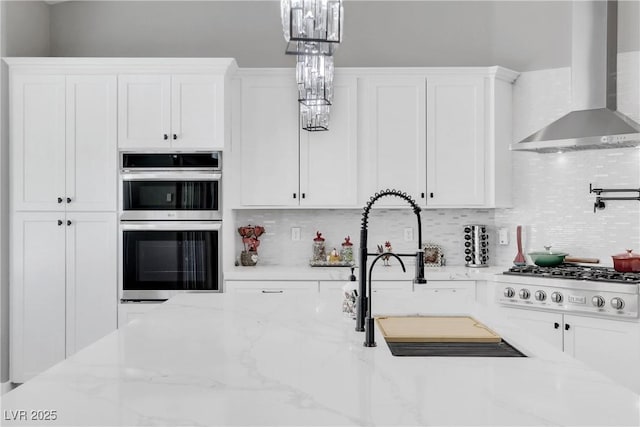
(24, 31)
(523, 35)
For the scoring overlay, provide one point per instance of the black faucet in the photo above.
(361, 303)
(369, 335)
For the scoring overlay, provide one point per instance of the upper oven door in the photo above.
(170, 195)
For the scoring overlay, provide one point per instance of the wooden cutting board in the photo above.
(435, 329)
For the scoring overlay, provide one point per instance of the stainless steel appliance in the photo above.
(163, 258)
(174, 186)
(170, 224)
(596, 291)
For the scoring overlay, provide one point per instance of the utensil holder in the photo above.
(476, 245)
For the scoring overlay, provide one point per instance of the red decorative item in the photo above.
(318, 237)
(519, 260)
(347, 241)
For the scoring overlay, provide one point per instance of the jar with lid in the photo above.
(319, 251)
(346, 253)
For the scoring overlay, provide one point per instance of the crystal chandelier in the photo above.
(314, 117)
(314, 75)
(313, 31)
(311, 27)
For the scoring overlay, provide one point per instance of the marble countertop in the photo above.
(393, 272)
(254, 359)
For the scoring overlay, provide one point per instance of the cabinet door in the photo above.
(394, 135)
(547, 326)
(328, 160)
(37, 293)
(609, 346)
(144, 111)
(455, 141)
(92, 280)
(197, 112)
(269, 141)
(91, 148)
(37, 142)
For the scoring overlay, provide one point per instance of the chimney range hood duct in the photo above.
(594, 123)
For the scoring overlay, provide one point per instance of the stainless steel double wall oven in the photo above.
(170, 224)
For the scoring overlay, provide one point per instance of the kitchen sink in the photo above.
(444, 336)
(454, 349)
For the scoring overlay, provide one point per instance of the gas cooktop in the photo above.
(576, 272)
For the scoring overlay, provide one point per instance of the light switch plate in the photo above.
(295, 234)
(408, 234)
(503, 236)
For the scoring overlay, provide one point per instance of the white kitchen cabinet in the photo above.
(63, 144)
(268, 154)
(127, 312)
(609, 346)
(447, 293)
(271, 286)
(440, 135)
(285, 166)
(456, 141)
(63, 286)
(181, 111)
(394, 135)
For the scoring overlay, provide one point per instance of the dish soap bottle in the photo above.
(350, 293)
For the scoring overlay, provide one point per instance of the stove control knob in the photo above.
(540, 295)
(556, 297)
(598, 301)
(509, 292)
(617, 303)
(524, 293)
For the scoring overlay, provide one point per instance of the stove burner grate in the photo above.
(576, 272)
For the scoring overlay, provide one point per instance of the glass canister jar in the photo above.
(346, 253)
(319, 251)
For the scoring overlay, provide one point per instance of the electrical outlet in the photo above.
(408, 234)
(295, 234)
(503, 236)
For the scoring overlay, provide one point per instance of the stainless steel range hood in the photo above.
(594, 123)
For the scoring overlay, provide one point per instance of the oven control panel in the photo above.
(593, 302)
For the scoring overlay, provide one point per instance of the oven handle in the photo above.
(159, 176)
(171, 225)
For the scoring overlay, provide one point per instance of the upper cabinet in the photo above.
(171, 111)
(284, 166)
(456, 141)
(393, 130)
(63, 145)
(440, 135)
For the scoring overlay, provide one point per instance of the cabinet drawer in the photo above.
(377, 285)
(271, 286)
(131, 311)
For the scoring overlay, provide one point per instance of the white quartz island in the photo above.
(276, 359)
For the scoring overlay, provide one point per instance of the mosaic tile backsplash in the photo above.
(550, 194)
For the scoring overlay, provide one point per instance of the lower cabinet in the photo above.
(63, 286)
(609, 346)
(271, 286)
(133, 310)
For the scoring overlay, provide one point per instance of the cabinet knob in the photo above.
(422, 195)
(567, 326)
(59, 222)
(59, 199)
(175, 136)
(166, 136)
(556, 325)
(68, 199)
(304, 195)
(295, 195)
(68, 222)
(431, 195)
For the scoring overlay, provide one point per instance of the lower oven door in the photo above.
(162, 258)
